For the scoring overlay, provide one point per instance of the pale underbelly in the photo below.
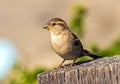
(64, 47)
(67, 52)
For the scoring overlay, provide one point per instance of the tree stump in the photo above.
(100, 71)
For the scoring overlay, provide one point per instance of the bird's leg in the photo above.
(61, 64)
(73, 62)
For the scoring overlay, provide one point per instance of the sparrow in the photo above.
(65, 43)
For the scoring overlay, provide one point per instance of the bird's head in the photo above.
(56, 25)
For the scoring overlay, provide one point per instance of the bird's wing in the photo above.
(77, 41)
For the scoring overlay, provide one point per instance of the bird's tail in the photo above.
(87, 53)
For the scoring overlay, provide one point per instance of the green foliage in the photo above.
(83, 58)
(76, 22)
(24, 75)
(113, 49)
(77, 25)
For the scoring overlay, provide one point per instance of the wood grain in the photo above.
(100, 71)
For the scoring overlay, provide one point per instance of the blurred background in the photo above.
(97, 23)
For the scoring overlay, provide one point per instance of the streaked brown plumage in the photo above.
(64, 42)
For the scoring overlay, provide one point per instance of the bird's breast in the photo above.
(60, 44)
(63, 45)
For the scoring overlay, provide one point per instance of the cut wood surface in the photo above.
(100, 71)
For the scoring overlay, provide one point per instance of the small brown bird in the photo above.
(64, 42)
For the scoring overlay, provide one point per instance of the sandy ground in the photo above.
(21, 21)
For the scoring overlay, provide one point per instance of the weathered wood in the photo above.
(100, 71)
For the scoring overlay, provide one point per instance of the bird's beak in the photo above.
(47, 27)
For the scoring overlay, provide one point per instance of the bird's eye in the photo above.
(54, 24)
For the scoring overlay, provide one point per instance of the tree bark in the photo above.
(100, 71)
